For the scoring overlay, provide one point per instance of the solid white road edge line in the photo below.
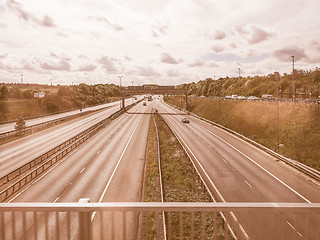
(246, 156)
(213, 185)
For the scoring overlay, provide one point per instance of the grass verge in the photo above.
(180, 184)
(299, 124)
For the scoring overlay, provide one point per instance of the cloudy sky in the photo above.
(154, 41)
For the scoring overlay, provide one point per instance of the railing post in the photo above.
(84, 222)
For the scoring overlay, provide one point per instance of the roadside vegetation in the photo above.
(18, 99)
(180, 184)
(299, 124)
(307, 83)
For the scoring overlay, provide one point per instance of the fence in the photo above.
(184, 220)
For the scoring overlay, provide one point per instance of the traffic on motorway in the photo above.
(110, 167)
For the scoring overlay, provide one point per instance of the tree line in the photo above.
(57, 98)
(305, 82)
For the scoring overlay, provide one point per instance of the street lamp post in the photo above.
(120, 89)
(277, 75)
(239, 72)
(21, 78)
(293, 84)
(132, 87)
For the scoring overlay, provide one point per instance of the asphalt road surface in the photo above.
(236, 171)
(109, 168)
(16, 153)
(10, 126)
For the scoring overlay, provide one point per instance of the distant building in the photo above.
(39, 94)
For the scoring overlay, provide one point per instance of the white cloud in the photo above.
(167, 58)
(147, 71)
(108, 64)
(62, 65)
(142, 38)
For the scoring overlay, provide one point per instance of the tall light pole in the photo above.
(21, 78)
(277, 75)
(132, 87)
(239, 72)
(293, 84)
(120, 89)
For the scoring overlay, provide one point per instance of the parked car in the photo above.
(268, 97)
(253, 98)
(185, 120)
(234, 96)
(242, 98)
(227, 97)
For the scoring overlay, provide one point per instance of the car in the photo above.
(227, 97)
(242, 98)
(268, 97)
(234, 96)
(185, 120)
(144, 104)
(253, 98)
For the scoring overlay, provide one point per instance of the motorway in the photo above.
(16, 153)
(108, 168)
(236, 171)
(31, 122)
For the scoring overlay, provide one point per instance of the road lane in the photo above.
(243, 173)
(21, 151)
(87, 172)
(31, 122)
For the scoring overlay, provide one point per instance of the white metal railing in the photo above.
(142, 220)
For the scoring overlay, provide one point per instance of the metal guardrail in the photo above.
(35, 168)
(31, 128)
(311, 172)
(123, 220)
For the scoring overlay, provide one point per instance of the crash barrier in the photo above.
(11, 183)
(309, 171)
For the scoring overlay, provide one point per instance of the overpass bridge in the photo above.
(152, 89)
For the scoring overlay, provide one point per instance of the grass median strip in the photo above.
(180, 184)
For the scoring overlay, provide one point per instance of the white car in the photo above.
(242, 98)
(253, 98)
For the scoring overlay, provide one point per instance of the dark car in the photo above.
(185, 120)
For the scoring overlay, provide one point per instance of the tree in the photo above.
(20, 125)
(4, 92)
(3, 111)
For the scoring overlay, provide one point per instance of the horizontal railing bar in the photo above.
(159, 206)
